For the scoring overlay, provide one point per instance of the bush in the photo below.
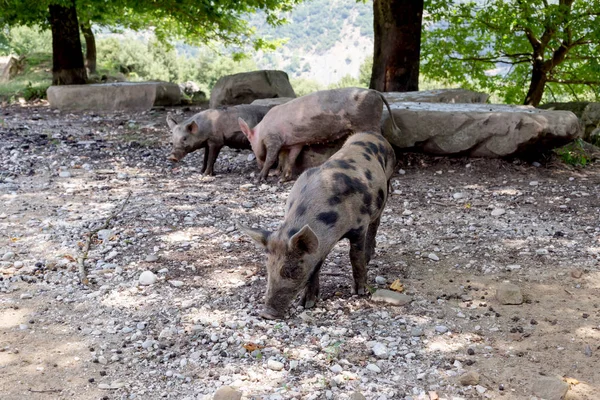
(22, 40)
(303, 86)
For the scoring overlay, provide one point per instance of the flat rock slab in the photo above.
(438, 96)
(120, 96)
(509, 293)
(391, 297)
(587, 112)
(478, 130)
(550, 388)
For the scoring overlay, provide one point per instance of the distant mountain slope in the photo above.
(326, 40)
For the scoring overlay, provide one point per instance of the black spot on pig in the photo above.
(380, 199)
(342, 164)
(352, 161)
(301, 210)
(373, 147)
(310, 171)
(292, 232)
(359, 143)
(328, 218)
(382, 148)
(367, 157)
(346, 186)
(334, 200)
(292, 203)
(369, 175)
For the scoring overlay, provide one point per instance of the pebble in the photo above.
(227, 393)
(337, 368)
(26, 296)
(458, 196)
(391, 297)
(151, 258)
(441, 329)
(274, 365)
(534, 183)
(64, 174)
(380, 350)
(147, 278)
(496, 212)
(509, 293)
(416, 332)
(470, 378)
(550, 388)
(176, 283)
(433, 256)
(576, 273)
(357, 396)
(8, 255)
(380, 280)
(373, 368)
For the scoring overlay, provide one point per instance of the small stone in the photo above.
(175, 283)
(336, 368)
(470, 351)
(64, 174)
(391, 297)
(380, 280)
(8, 255)
(102, 360)
(496, 212)
(248, 204)
(587, 350)
(480, 389)
(458, 196)
(251, 157)
(401, 172)
(550, 388)
(357, 396)
(147, 278)
(508, 293)
(416, 332)
(274, 365)
(470, 378)
(105, 234)
(380, 350)
(26, 296)
(513, 267)
(227, 393)
(147, 344)
(151, 258)
(441, 329)
(433, 256)
(534, 183)
(536, 164)
(577, 273)
(373, 368)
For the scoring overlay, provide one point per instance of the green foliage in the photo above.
(333, 350)
(574, 154)
(489, 45)
(365, 71)
(303, 86)
(346, 81)
(32, 82)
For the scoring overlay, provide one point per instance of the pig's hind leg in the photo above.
(370, 241)
(273, 146)
(311, 291)
(358, 259)
(289, 162)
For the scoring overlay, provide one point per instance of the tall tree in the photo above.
(195, 21)
(516, 48)
(67, 58)
(397, 50)
(90, 46)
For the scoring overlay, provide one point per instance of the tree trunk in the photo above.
(537, 85)
(90, 47)
(397, 26)
(67, 57)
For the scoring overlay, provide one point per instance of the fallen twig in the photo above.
(86, 248)
(45, 391)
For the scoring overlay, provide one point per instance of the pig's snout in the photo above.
(269, 313)
(175, 156)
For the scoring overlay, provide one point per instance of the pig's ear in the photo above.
(245, 128)
(305, 240)
(260, 236)
(171, 121)
(192, 127)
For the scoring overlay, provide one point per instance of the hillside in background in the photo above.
(326, 40)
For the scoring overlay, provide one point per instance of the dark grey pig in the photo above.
(211, 130)
(341, 199)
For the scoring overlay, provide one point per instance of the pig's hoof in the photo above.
(309, 304)
(269, 314)
(360, 291)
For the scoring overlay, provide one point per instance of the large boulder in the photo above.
(121, 96)
(587, 112)
(478, 130)
(438, 96)
(246, 87)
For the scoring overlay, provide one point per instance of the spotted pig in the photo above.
(211, 130)
(341, 199)
(323, 116)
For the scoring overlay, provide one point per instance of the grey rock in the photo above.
(380, 350)
(244, 88)
(509, 293)
(227, 393)
(147, 278)
(470, 378)
(496, 212)
(391, 297)
(433, 256)
(478, 130)
(121, 96)
(26, 296)
(441, 329)
(550, 388)
(357, 396)
(274, 365)
(380, 280)
(151, 258)
(8, 256)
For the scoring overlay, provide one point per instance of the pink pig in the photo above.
(322, 116)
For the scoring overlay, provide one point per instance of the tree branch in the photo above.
(573, 81)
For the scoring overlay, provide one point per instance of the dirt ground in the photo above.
(453, 231)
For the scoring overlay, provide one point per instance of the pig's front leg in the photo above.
(289, 163)
(311, 292)
(210, 156)
(272, 147)
(358, 259)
